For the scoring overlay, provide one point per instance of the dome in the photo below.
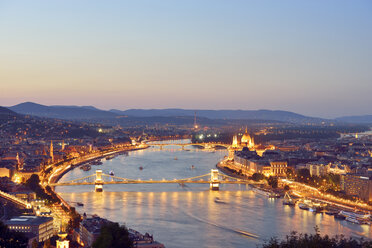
(246, 138)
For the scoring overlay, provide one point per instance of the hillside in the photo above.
(276, 115)
(61, 112)
(362, 119)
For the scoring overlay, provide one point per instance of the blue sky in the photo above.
(311, 57)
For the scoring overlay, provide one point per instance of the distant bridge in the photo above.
(182, 145)
(214, 179)
(15, 200)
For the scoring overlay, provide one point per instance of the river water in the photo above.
(188, 216)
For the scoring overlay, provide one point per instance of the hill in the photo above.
(276, 115)
(61, 112)
(362, 119)
(6, 114)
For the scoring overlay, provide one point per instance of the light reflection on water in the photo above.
(189, 216)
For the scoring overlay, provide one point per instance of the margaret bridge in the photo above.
(183, 145)
(214, 179)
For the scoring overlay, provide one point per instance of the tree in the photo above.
(289, 173)
(112, 235)
(273, 182)
(294, 240)
(35, 244)
(33, 182)
(258, 177)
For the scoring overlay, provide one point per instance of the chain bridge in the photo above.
(214, 179)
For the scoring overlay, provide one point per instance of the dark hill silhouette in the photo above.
(61, 112)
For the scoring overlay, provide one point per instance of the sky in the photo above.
(311, 57)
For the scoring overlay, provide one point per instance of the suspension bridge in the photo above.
(214, 179)
(183, 145)
(15, 200)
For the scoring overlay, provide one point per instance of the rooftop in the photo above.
(28, 220)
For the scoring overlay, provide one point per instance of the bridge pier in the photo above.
(215, 182)
(98, 187)
(99, 182)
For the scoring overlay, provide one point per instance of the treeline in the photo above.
(48, 194)
(306, 132)
(295, 240)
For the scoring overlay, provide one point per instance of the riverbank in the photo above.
(70, 165)
(300, 189)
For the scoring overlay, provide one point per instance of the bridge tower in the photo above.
(215, 182)
(99, 182)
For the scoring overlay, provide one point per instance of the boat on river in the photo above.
(96, 162)
(358, 215)
(110, 157)
(339, 217)
(331, 212)
(303, 206)
(85, 167)
(111, 173)
(356, 220)
(218, 200)
(288, 200)
(266, 193)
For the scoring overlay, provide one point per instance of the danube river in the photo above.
(188, 216)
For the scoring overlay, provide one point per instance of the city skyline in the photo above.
(312, 58)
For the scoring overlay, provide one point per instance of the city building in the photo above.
(42, 227)
(90, 229)
(143, 240)
(357, 186)
(62, 242)
(317, 168)
(247, 140)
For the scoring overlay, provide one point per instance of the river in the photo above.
(187, 216)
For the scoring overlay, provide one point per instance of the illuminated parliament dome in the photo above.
(247, 140)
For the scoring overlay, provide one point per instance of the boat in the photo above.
(356, 215)
(331, 212)
(274, 195)
(339, 217)
(218, 200)
(175, 158)
(96, 162)
(140, 168)
(192, 167)
(86, 167)
(110, 157)
(356, 220)
(315, 209)
(303, 206)
(111, 173)
(80, 204)
(288, 200)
